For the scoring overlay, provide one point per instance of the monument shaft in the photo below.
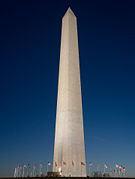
(69, 151)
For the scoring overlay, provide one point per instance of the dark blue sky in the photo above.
(30, 34)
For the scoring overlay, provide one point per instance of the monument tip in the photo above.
(69, 10)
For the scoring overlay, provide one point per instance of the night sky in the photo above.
(30, 33)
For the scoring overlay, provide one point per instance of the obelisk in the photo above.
(69, 150)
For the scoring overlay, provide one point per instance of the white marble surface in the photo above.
(69, 149)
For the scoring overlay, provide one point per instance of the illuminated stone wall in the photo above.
(69, 151)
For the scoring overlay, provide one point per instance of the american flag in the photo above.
(55, 164)
(116, 166)
(105, 166)
(124, 170)
(82, 163)
(19, 167)
(90, 164)
(34, 166)
(72, 163)
(111, 168)
(49, 164)
(41, 165)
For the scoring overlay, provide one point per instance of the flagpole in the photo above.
(15, 172)
(20, 173)
(33, 172)
(23, 172)
(40, 171)
(47, 167)
(27, 171)
(97, 167)
(18, 170)
(81, 170)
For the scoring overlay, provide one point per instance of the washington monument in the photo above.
(69, 150)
